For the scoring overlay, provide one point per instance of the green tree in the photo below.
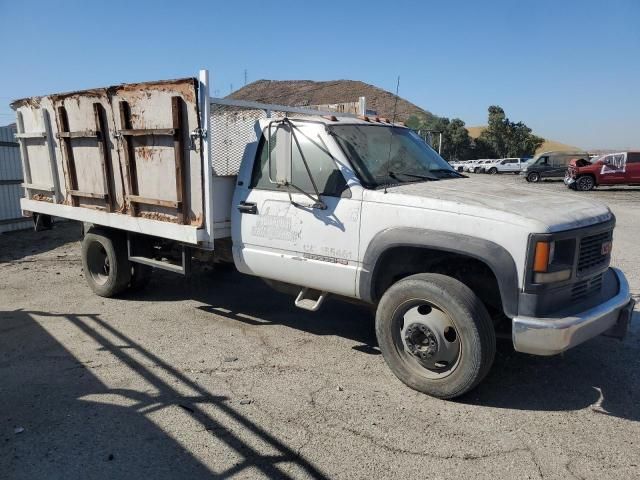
(496, 133)
(480, 148)
(521, 142)
(456, 142)
(458, 139)
(506, 138)
(414, 122)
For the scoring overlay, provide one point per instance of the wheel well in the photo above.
(589, 174)
(400, 262)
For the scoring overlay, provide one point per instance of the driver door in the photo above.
(613, 169)
(278, 232)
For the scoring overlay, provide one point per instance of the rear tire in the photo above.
(533, 177)
(585, 183)
(435, 335)
(104, 261)
(140, 276)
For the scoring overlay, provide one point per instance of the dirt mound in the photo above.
(308, 92)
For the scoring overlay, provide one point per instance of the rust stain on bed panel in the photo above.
(185, 87)
(32, 102)
(163, 217)
(197, 221)
(41, 198)
(144, 152)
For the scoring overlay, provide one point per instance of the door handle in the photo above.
(248, 207)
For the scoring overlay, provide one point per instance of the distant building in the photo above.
(10, 179)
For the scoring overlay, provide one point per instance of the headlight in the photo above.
(553, 260)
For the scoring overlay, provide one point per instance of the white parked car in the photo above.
(481, 165)
(472, 165)
(506, 165)
(459, 165)
(487, 165)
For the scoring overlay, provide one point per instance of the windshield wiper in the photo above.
(446, 170)
(413, 175)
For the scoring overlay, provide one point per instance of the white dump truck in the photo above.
(318, 204)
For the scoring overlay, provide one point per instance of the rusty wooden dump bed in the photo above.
(127, 156)
(156, 158)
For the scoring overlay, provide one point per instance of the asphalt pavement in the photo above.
(218, 376)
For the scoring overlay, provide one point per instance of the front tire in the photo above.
(435, 335)
(585, 183)
(493, 171)
(104, 261)
(533, 177)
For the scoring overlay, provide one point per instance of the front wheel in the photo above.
(533, 177)
(585, 183)
(493, 171)
(435, 334)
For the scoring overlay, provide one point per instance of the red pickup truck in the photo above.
(622, 168)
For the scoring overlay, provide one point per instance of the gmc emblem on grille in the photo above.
(606, 248)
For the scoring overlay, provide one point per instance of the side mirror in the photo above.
(282, 152)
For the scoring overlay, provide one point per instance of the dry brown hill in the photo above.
(547, 146)
(308, 92)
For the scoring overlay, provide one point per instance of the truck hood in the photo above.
(522, 205)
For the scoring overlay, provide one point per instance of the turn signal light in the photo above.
(541, 257)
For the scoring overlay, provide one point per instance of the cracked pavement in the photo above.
(219, 376)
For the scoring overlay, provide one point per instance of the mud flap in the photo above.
(619, 330)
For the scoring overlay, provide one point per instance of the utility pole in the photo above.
(245, 76)
(230, 88)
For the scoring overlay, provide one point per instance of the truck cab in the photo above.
(371, 216)
(621, 168)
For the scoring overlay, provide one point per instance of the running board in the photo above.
(306, 301)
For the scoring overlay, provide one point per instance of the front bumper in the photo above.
(568, 181)
(550, 336)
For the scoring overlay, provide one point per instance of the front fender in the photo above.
(497, 258)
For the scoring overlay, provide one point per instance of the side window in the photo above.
(633, 157)
(543, 161)
(618, 160)
(321, 164)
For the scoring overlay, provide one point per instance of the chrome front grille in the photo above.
(590, 256)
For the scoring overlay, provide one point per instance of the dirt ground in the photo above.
(219, 376)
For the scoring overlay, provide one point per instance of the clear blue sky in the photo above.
(569, 69)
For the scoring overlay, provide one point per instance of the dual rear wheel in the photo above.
(106, 266)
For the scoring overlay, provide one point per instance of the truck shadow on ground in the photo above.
(77, 427)
(250, 300)
(23, 243)
(603, 374)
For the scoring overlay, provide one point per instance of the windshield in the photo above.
(385, 155)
